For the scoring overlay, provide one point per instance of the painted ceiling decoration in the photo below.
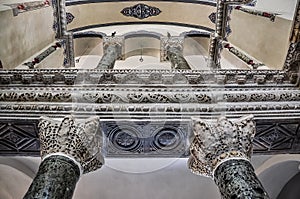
(141, 11)
(70, 17)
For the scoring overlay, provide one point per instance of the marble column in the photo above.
(171, 49)
(111, 54)
(68, 149)
(176, 58)
(222, 150)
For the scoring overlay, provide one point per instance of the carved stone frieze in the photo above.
(184, 77)
(121, 95)
(150, 137)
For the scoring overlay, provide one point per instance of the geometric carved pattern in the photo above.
(19, 137)
(150, 138)
(277, 137)
(146, 139)
(141, 11)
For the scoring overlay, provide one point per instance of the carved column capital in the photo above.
(173, 42)
(216, 142)
(79, 141)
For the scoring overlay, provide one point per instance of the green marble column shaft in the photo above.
(236, 179)
(176, 58)
(56, 179)
(109, 57)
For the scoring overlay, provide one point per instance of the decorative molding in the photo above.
(152, 138)
(121, 95)
(252, 78)
(195, 33)
(142, 33)
(18, 8)
(141, 23)
(141, 11)
(81, 141)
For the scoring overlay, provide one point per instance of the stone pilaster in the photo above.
(222, 150)
(68, 149)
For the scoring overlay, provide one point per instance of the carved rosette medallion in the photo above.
(141, 11)
(216, 142)
(80, 141)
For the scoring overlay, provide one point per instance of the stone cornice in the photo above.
(58, 77)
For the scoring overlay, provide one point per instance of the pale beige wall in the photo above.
(109, 12)
(283, 7)
(23, 35)
(150, 45)
(196, 46)
(261, 38)
(88, 46)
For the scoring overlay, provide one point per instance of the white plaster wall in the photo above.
(23, 35)
(13, 183)
(284, 7)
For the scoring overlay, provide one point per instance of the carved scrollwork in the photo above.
(80, 141)
(75, 77)
(219, 141)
